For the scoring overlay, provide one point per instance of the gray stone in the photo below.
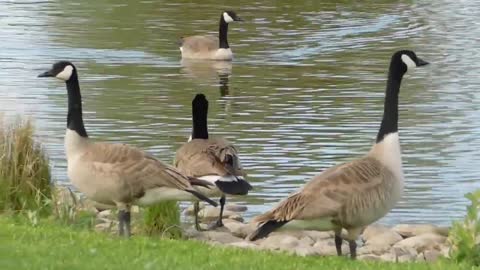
(318, 235)
(217, 236)
(244, 244)
(238, 229)
(388, 238)
(189, 210)
(431, 255)
(374, 249)
(422, 242)
(236, 207)
(211, 214)
(236, 217)
(409, 230)
(304, 251)
(105, 214)
(400, 255)
(327, 247)
(306, 241)
(445, 251)
(369, 257)
(420, 258)
(106, 227)
(373, 231)
(279, 242)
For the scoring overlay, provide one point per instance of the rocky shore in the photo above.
(400, 243)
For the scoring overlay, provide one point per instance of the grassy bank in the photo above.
(51, 246)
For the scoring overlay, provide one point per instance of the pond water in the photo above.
(304, 92)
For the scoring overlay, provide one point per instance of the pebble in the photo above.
(409, 230)
(422, 242)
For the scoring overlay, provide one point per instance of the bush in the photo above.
(163, 219)
(465, 235)
(25, 182)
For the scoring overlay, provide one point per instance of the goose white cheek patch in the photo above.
(66, 73)
(227, 17)
(408, 61)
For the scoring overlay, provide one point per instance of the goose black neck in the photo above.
(222, 34)
(199, 116)
(390, 113)
(74, 118)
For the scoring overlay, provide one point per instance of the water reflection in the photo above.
(304, 92)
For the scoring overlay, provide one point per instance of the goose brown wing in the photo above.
(328, 193)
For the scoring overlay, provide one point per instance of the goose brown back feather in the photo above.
(130, 171)
(214, 156)
(343, 192)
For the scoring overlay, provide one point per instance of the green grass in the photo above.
(163, 219)
(465, 234)
(51, 246)
(25, 183)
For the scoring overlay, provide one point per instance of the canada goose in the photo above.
(355, 194)
(211, 159)
(116, 174)
(210, 47)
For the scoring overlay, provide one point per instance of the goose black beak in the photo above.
(238, 19)
(421, 62)
(45, 74)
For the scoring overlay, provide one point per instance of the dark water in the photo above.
(304, 92)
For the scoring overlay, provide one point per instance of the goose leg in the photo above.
(353, 249)
(338, 243)
(219, 222)
(124, 220)
(196, 209)
(121, 223)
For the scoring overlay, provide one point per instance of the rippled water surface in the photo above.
(304, 92)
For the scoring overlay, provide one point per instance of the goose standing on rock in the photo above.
(210, 47)
(116, 174)
(211, 159)
(355, 194)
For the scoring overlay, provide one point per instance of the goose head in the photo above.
(229, 16)
(406, 60)
(62, 70)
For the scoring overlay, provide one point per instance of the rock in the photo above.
(189, 210)
(374, 230)
(406, 254)
(238, 229)
(431, 255)
(220, 237)
(373, 249)
(236, 217)
(422, 242)
(211, 213)
(318, 236)
(306, 241)
(244, 244)
(445, 251)
(104, 214)
(327, 247)
(420, 258)
(106, 227)
(279, 242)
(387, 238)
(409, 230)
(369, 257)
(135, 209)
(304, 251)
(236, 207)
